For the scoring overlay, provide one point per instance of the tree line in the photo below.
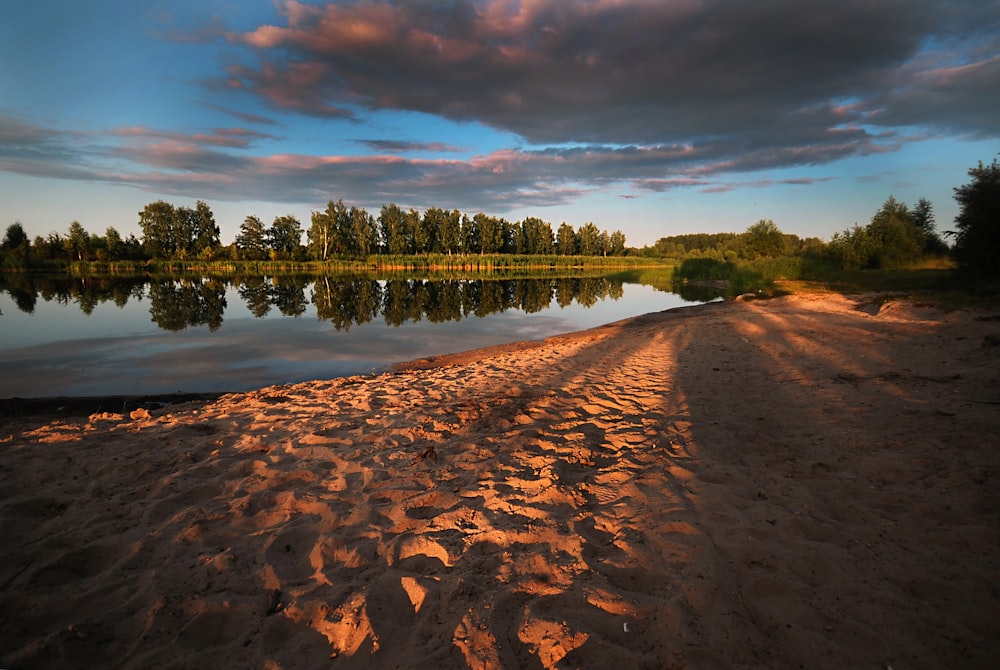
(340, 232)
(896, 236)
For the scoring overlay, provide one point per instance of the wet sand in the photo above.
(809, 481)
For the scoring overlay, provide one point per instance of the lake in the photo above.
(84, 337)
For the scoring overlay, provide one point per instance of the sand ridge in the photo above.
(808, 481)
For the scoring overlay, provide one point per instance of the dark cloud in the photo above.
(607, 95)
(767, 73)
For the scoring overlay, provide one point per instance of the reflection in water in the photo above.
(175, 305)
(343, 300)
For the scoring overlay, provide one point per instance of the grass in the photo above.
(933, 280)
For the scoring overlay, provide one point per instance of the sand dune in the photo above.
(802, 482)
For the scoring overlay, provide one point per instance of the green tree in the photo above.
(977, 234)
(184, 230)
(414, 225)
(157, 221)
(590, 240)
(205, 233)
(491, 233)
(284, 237)
(16, 246)
(433, 224)
(566, 244)
(77, 242)
(362, 234)
(616, 243)
(251, 241)
(450, 232)
(896, 240)
(763, 240)
(114, 244)
(534, 236)
(15, 237)
(852, 249)
(48, 248)
(922, 216)
(393, 230)
(324, 233)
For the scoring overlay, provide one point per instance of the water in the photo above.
(200, 335)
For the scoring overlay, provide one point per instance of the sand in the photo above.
(805, 482)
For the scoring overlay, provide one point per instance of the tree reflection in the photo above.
(288, 295)
(346, 301)
(256, 293)
(343, 300)
(175, 305)
(86, 292)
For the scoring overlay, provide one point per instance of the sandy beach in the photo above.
(804, 482)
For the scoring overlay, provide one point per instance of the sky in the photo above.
(653, 117)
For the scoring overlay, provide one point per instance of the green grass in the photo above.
(933, 280)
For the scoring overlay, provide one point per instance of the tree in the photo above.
(491, 233)
(763, 240)
(892, 240)
(449, 232)
(393, 229)
(114, 244)
(590, 240)
(897, 241)
(47, 248)
(534, 236)
(433, 225)
(922, 216)
(566, 244)
(77, 243)
(977, 238)
(284, 236)
(157, 222)
(204, 231)
(184, 230)
(471, 241)
(252, 239)
(320, 234)
(16, 245)
(414, 231)
(15, 237)
(362, 235)
(617, 243)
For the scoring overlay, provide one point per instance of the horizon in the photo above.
(656, 119)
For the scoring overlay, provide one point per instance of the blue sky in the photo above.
(652, 117)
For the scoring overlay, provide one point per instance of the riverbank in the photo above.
(807, 481)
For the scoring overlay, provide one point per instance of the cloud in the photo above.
(219, 164)
(602, 95)
(402, 146)
(224, 137)
(772, 73)
(243, 116)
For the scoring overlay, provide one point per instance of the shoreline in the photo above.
(805, 481)
(75, 406)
